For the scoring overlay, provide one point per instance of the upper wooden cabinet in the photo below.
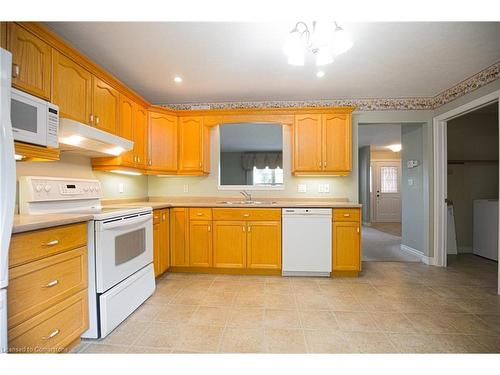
(106, 106)
(322, 144)
(307, 143)
(127, 126)
(141, 136)
(31, 61)
(193, 146)
(162, 155)
(71, 88)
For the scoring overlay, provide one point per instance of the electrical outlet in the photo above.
(186, 188)
(120, 187)
(302, 188)
(323, 188)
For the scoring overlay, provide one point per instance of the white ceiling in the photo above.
(251, 137)
(379, 136)
(245, 61)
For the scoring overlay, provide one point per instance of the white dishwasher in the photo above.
(307, 241)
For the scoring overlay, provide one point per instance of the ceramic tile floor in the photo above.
(391, 308)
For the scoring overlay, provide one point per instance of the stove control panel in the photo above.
(36, 189)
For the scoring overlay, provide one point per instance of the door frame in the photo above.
(440, 164)
(373, 192)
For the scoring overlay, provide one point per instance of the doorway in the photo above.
(475, 163)
(386, 179)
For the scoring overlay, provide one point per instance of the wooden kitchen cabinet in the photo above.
(193, 146)
(200, 243)
(264, 245)
(127, 127)
(230, 244)
(179, 237)
(161, 241)
(322, 144)
(106, 106)
(346, 233)
(71, 88)
(162, 155)
(307, 143)
(31, 61)
(141, 136)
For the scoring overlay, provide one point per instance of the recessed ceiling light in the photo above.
(320, 74)
(178, 79)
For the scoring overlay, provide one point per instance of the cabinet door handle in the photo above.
(200, 163)
(199, 213)
(324, 164)
(52, 334)
(320, 164)
(249, 228)
(150, 162)
(97, 120)
(52, 283)
(347, 215)
(163, 217)
(51, 243)
(15, 70)
(138, 159)
(358, 229)
(209, 228)
(244, 228)
(91, 119)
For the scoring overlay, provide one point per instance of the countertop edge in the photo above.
(28, 223)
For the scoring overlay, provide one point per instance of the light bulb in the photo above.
(320, 74)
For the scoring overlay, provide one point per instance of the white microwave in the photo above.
(34, 120)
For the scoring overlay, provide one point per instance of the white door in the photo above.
(387, 191)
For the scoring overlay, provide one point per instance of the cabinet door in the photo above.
(71, 88)
(191, 144)
(31, 61)
(200, 243)
(179, 235)
(127, 127)
(346, 246)
(164, 240)
(307, 143)
(264, 245)
(229, 244)
(162, 142)
(141, 135)
(337, 143)
(156, 248)
(106, 106)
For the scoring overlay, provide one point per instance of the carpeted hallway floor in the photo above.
(378, 246)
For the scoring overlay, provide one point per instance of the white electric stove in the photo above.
(120, 245)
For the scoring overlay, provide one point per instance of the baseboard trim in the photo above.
(423, 258)
(367, 223)
(465, 250)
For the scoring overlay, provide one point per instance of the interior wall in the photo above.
(77, 166)
(364, 182)
(340, 187)
(413, 218)
(473, 136)
(385, 154)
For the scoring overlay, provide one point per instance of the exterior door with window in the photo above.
(387, 191)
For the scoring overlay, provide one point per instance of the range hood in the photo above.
(79, 138)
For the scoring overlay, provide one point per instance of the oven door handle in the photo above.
(127, 222)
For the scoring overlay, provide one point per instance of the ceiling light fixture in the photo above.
(323, 40)
(178, 79)
(320, 74)
(395, 147)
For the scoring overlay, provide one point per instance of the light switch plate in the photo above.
(302, 188)
(120, 187)
(186, 188)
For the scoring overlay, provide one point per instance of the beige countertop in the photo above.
(25, 223)
(166, 202)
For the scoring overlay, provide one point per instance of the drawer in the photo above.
(200, 214)
(34, 245)
(260, 214)
(346, 214)
(36, 286)
(54, 329)
(157, 216)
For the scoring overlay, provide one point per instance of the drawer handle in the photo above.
(347, 215)
(246, 215)
(199, 214)
(15, 70)
(52, 334)
(156, 217)
(51, 243)
(51, 284)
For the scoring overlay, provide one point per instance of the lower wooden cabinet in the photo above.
(264, 245)
(346, 230)
(200, 243)
(179, 237)
(48, 296)
(230, 242)
(161, 241)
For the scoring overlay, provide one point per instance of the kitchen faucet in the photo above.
(247, 195)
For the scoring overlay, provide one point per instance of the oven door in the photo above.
(122, 246)
(29, 118)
